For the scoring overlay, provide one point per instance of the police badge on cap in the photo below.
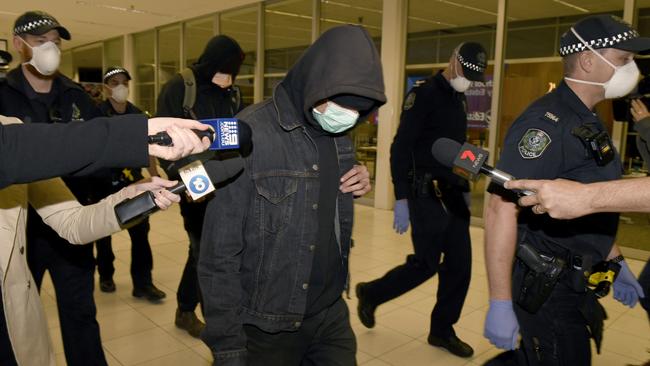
(603, 31)
(37, 23)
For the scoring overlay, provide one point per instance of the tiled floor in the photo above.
(136, 332)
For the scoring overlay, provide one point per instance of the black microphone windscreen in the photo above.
(444, 150)
(222, 170)
(245, 133)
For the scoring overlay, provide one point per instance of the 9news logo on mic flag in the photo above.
(226, 133)
(469, 161)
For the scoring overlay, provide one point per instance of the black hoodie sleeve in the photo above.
(38, 151)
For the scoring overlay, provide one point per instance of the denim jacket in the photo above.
(259, 231)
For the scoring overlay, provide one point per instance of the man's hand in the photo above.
(560, 198)
(357, 181)
(501, 325)
(627, 289)
(401, 216)
(158, 186)
(638, 110)
(185, 141)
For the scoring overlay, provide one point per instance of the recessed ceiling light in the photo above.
(130, 9)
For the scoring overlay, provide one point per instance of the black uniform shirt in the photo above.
(540, 145)
(431, 110)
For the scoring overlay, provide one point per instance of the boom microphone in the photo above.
(143, 205)
(469, 162)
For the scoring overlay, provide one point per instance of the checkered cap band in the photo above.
(115, 72)
(607, 42)
(26, 28)
(469, 65)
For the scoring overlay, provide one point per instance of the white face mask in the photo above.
(224, 81)
(335, 119)
(45, 58)
(120, 93)
(621, 83)
(459, 83)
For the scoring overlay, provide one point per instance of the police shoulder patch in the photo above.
(409, 102)
(533, 143)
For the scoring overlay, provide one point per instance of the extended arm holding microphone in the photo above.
(31, 152)
(135, 209)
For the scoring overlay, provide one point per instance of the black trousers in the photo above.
(644, 280)
(72, 269)
(557, 333)
(323, 339)
(141, 257)
(188, 294)
(7, 357)
(436, 229)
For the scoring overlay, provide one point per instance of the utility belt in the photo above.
(543, 272)
(426, 185)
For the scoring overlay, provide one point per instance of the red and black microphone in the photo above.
(469, 162)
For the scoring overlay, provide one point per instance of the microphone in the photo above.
(143, 205)
(163, 138)
(244, 137)
(469, 162)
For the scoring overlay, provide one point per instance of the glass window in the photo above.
(169, 53)
(242, 26)
(114, 52)
(197, 34)
(287, 33)
(367, 13)
(434, 30)
(87, 63)
(145, 71)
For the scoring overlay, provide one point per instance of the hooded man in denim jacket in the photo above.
(276, 240)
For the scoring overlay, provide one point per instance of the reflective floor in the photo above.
(135, 332)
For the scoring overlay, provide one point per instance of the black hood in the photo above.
(221, 54)
(342, 61)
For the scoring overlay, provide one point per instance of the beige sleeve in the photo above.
(76, 223)
(9, 120)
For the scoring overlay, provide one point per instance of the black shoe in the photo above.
(107, 285)
(453, 345)
(187, 320)
(150, 292)
(365, 310)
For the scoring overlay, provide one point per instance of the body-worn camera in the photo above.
(597, 142)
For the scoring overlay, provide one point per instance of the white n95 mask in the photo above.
(120, 93)
(45, 58)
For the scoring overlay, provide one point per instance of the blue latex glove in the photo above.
(627, 289)
(401, 216)
(501, 325)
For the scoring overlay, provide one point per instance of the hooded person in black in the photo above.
(274, 264)
(216, 97)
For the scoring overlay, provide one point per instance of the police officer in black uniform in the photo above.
(432, 198)
(205, 90)
(37, 92)
(116, 89)
(545, 296)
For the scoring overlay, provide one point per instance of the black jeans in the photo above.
(644, 281)
(435, 229)
(188, 294)
(7, 357)
(141, 257)
(72, 269)
(557, 334)
(323, 339)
